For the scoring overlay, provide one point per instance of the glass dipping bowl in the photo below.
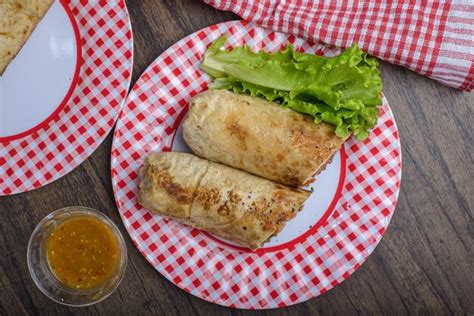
(45, 279)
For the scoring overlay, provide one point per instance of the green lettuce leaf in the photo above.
(344, 90)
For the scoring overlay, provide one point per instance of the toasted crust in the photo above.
(18, 19)
(169, 182)
(225, 201)
(258, 136)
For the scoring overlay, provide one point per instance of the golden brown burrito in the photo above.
(222, 200)
(259, 137)
(18, 19)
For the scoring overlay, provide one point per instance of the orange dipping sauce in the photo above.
(82, 252)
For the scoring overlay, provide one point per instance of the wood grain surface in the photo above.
(424, 263)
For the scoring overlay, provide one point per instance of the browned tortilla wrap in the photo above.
(222, 200)
(258, 136)
(18, 19)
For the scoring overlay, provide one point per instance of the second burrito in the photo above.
(259, 137)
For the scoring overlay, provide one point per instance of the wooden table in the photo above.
(423, 264)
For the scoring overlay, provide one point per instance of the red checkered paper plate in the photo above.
(76, 70)
(339, 226)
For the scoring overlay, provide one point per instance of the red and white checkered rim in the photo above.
(219, 274)
(79, 126)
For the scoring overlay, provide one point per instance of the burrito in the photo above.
(227, 202)
(259, 137)
(18, 19)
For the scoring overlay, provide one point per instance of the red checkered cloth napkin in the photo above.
(432, 37)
